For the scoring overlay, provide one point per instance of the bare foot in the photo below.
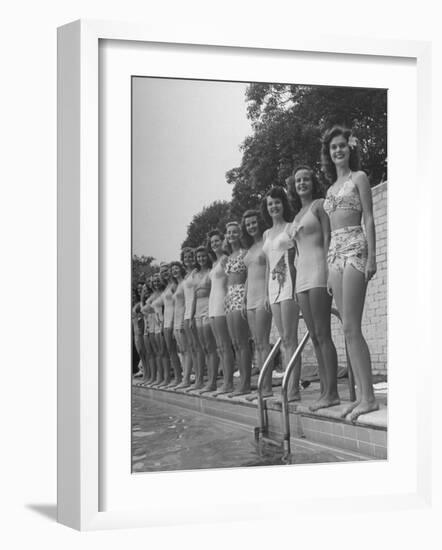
(182, 385)
(223, 389)
(252, 397)
(239, 391)
(349, 408)
(207, 389)
(324, 402)
(363, 408)
(195, 387)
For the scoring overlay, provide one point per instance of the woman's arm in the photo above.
(291, 252)
(363, 186)
(324, 220)
(244, 302)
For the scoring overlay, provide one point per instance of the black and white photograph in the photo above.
(259, 274)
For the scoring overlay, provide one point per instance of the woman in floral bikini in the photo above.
(280, 275)
(352, 253)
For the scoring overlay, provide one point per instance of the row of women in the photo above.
(206, 305)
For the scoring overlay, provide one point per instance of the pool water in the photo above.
(166, 437)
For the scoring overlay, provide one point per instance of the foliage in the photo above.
(214, 216)
(288, 121)
(142, 268)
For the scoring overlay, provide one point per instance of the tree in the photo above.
(288, 121)
(141, 268)
(214, 216)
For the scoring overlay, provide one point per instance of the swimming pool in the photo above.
(167, 437)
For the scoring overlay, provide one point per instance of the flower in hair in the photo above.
(352, 141)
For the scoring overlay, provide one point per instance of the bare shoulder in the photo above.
(318, 205)
(360, 179)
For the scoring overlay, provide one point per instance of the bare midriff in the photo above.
(344, 218)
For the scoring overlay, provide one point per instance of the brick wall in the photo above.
(375, 311)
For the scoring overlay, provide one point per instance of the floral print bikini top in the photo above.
(236, 264)
(347, 198)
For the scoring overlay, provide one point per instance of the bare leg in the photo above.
(239, 333)
(165, 361)
(156, 360)
(286, 315)
(336, 280)
(315, 305)
(185, 350)
(354, 288)
(149, 359)
(197, 354)
(260, 322)
(220, 329)
(174, 359)
(209, 345)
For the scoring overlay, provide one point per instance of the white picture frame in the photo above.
(79, 475)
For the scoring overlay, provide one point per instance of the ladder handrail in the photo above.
(262, 374)
(284, 387)
(288, 371)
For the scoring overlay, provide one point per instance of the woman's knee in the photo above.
(351, 330)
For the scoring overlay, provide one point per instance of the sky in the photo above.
(186, 135)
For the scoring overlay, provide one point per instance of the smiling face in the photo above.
(189, 259)
(339, 151)
(216, 243)
(165, 273)
(304, 183)
(275, 207)
(233, 233)
(156, 282)
(201, 258)
(176, 271)
(252, 226)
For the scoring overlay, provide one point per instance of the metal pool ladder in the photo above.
(262, 430)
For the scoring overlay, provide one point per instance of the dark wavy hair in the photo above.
(202, 248)
(182, 270)
(280, 193)
(328, 165)
(211, 234)
(184, 251)
(248, 239)
(295, 201)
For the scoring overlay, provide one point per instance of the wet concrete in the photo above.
(165, 437)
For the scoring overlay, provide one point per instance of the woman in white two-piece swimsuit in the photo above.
(280, 275)
(217, 313)
(352, 253)
(311, 232)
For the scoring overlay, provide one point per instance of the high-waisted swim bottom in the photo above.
(234, 298)
(348, 245)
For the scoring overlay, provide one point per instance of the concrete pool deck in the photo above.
(367, 436)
